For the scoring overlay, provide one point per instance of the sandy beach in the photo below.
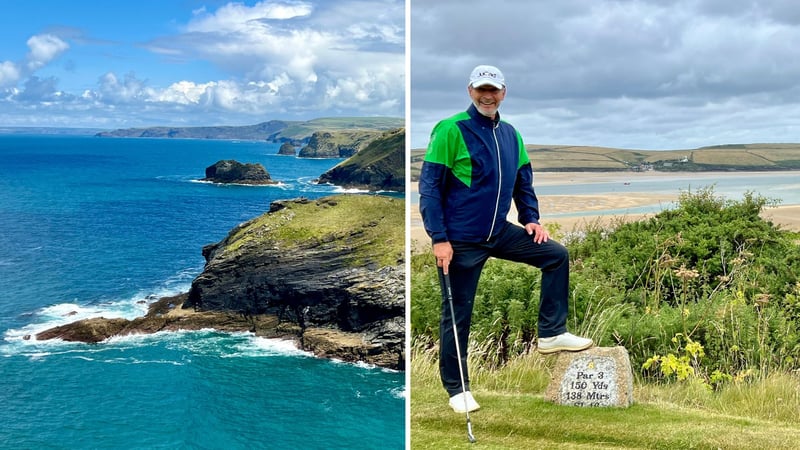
(583, 209)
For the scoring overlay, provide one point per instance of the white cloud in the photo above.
(184, 92)
(304, 52)
(128, 89)
(237, 17)
(9, 73)
(272, 59)
(43, 49)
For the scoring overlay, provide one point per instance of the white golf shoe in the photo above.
(563, 342)
(457, 403)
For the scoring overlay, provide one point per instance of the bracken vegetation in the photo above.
(705, 294)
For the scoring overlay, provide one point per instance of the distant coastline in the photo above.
(54, 131)
(295, 131)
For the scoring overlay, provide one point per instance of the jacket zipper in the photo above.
(499, 181)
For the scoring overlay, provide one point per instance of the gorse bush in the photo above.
(710, 272)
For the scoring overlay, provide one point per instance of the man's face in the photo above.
(487, 99)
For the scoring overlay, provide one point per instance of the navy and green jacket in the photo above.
(473, 168)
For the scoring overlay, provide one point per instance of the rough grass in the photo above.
(514, 414)
(370, 227)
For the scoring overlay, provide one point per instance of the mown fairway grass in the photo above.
(514, 415)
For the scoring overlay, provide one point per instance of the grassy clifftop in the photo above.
(302, 130)
(368, 228)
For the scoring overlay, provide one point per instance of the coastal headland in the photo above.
(326, 273)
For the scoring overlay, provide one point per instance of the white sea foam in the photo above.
(363, 365)
(255, 346)
(400, 392)
(127, 308)
(342, 190)
(213, 342)
(278, 184)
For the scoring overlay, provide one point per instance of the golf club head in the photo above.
(470, 436)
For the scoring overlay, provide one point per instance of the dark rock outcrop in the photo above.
(231, 171)
(380, 166)
(287, 148)
(326, 273)
(88, 330)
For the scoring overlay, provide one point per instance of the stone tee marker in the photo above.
(599, 376)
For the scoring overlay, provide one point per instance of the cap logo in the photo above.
(487, 75)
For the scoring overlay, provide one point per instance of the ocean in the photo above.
(100, 227)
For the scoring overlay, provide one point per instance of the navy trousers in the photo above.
(512, 243)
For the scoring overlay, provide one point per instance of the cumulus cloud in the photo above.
(241, 18)
(126, 89)
(9, 73)
(276, 59)
(343, 57)
(43, 49)
(625, 73)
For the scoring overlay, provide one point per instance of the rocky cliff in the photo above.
(379, 166)
(337, 144)
(327, 273)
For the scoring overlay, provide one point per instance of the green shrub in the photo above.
(709, 270)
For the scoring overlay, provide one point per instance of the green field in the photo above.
(723, 157)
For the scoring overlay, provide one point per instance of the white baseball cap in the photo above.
(483, 75)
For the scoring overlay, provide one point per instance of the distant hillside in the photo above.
(380, 166)
(729, 157)
(719, 157)
(273, 130)
(302, 130)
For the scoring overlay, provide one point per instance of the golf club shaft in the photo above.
(449, 295)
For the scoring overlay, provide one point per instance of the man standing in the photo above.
(475, 165)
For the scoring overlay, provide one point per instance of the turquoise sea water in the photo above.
(99, 227)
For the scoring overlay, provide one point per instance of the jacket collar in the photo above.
(481, 119)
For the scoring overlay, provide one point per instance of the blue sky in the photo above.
(86, 63)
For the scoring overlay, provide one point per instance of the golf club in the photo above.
(449, 295)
